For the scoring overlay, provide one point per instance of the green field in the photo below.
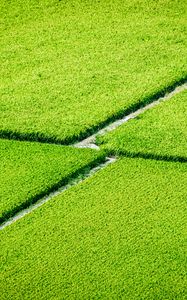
(119, 235)
(67, 67)
(158, 132)
(31, 170)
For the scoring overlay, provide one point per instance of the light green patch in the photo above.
(119, 235)
(69, 66)
(31, 170)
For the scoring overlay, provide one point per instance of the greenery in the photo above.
(31, 170)
(67, 67)
(160, 132)
(118, 235)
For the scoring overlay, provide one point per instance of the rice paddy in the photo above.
(119, 234)
(68, 67)
(32, 170)
(102, 223)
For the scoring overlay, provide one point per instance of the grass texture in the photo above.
(31, 170)
(160, 132)
(118, 235)
(69, 67)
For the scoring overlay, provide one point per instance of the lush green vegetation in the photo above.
(69, 66)
(31, 170)
(159, 132)
(118, 235)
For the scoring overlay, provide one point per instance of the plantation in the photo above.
(159, 132)
(68, 67)
(31, 170)
(120, 234)
(108, 222)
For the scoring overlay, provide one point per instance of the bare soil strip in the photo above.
(90, 141)
(62, 189)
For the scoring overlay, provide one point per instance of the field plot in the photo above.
(68, 67)
(119, 235)
(31, 170)
(159, 132)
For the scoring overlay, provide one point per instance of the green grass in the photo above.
(68, 67)
(119, 235)
(160, 132)
(31, 170)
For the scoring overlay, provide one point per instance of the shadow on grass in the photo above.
(166, 158)
(80, 173)
(42, 138)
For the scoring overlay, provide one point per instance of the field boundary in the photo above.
(97, 129)
(64, 181)
(88, 172)
(90, 142)
(96, 165)
(152, 156)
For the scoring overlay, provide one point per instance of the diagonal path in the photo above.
(90, 141)
(122, 232)
(62, 189)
